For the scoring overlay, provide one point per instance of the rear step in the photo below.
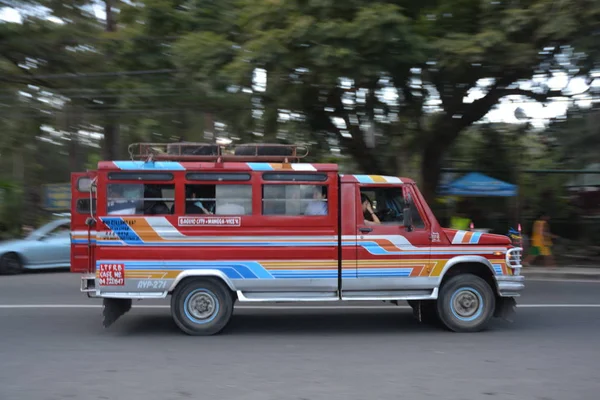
(88, 283)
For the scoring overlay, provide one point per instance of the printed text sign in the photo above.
(112, 274)
(210, 221)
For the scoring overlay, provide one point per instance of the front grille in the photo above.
(513, 258)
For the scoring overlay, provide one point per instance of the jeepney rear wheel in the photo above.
(201, 307)
(466, 303)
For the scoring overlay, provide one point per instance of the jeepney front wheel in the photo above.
(201, 307)
(466, 303)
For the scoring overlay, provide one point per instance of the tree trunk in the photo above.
(111, 138)
(441, 138)
(209, 127)
(111, 125)
(431, 169)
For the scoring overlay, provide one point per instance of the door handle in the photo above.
(365, 230)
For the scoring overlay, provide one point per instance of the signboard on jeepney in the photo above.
(56, 197)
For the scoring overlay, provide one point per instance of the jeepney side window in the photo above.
(295, 200)
(389, 204)
(83, 206)
(225, 199)
(140, 199)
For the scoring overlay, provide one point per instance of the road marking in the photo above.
(251, 307)
(562, 280)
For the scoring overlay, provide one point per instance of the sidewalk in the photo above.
(576, 272)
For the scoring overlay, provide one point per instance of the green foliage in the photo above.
(352, 77)
(10, 209)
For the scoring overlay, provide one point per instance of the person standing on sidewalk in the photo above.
(541, 241)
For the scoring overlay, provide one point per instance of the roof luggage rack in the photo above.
(192, 151)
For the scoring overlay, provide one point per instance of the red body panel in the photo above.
(81, 247)
(293, 248)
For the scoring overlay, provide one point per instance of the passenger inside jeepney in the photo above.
(318, 204)
(154, 201)
(193, 204)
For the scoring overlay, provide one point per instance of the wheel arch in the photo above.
(204, 273)
(476, 265)
(22, 259)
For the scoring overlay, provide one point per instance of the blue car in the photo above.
(47, 247)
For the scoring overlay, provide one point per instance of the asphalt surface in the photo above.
(52, 348)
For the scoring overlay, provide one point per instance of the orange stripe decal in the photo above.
(378, 178)
(467, 237)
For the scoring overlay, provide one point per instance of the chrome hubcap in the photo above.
(466, 303)
(202, 305)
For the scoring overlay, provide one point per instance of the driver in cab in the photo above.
(367, 209)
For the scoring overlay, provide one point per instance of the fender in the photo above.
(468, 260)
(211, 273)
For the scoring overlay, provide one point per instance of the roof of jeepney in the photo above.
(213, 166)
(375, 179)
(246, 166)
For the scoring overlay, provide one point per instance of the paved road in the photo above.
(550, 352)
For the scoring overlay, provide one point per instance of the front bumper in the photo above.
(510, 286)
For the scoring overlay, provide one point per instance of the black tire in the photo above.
(474, 312)
(193, 298)
(10, 264)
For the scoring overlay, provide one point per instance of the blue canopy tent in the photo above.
(475, 184)
(478, 185)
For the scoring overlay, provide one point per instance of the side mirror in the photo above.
(407, 219)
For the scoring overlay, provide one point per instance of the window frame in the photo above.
(278, 176)
(140, 177)
(220, 177)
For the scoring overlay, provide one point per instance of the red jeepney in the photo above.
(210, 227)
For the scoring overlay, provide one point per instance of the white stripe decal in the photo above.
(458, 237)
(303, 167)
(80, 233)
(164, 228)
(392, 179)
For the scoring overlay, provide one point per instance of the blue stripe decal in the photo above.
(223, 244)
(149, 166)
(81, 241)
(498, 269)
(255, 166)
(381, 272)
(475, 238)
(364, 178)
(122, 230)
(254, 270)
(233, 269)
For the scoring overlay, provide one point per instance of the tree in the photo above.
(419, 51)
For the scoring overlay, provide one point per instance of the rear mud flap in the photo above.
(113, 309)
(505, 308)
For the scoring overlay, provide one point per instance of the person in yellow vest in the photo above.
(541, 241)
(460, 222)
